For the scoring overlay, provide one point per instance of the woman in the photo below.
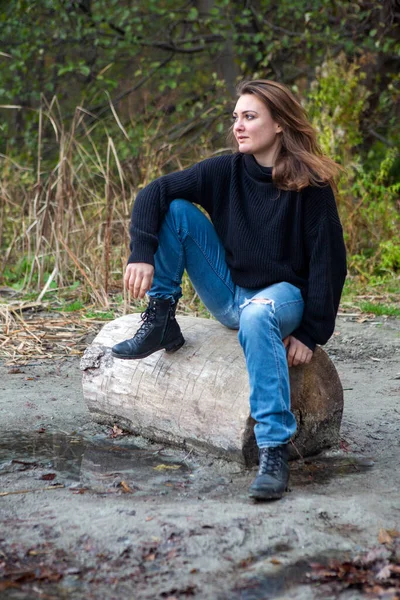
(271, 263)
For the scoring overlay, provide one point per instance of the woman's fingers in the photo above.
(298, 353)
(145, 285)
(138, 278)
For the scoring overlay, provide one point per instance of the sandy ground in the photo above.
(124, 518)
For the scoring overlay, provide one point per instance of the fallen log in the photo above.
(198, 397)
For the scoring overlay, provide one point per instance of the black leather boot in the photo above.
(159, 330)
(273, 474)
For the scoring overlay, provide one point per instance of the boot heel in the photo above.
(174, 346)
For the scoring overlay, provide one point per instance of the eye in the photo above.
(234, 118)
(249, 117)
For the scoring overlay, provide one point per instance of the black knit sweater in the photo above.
(269, 235)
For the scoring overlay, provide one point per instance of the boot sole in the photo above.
(261, 496)
(170, 349)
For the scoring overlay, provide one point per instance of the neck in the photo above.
(268, 158)
(267, 164)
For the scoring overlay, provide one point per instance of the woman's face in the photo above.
(255, 131)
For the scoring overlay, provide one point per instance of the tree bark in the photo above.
(198, 397)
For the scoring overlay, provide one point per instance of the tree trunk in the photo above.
(226, 67)
(198, 397)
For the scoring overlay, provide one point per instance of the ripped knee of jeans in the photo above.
(265, 301)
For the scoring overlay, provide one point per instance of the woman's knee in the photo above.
(179, 207)
(182, 212)
(257, 312)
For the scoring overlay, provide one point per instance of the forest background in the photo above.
(99, 97)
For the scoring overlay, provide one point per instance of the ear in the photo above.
(278, 128)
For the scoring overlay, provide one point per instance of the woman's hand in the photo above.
(138, 278)
(297, 352)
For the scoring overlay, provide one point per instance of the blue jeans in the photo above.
(187, 240)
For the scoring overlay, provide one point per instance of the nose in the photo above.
(238, 126)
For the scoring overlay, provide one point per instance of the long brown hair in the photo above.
(300, 161)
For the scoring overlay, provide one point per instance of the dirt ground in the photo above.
(86, 512)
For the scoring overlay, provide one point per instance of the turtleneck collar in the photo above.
(255, 170)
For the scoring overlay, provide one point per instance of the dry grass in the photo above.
(71, 221)
(27, 336)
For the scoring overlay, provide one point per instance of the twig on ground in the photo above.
(58, 486)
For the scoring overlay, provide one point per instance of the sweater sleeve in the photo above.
(326, 255)
(151, 205)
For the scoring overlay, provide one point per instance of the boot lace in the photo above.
(147, 317)
(270, 461)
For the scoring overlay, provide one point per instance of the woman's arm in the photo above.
(150, 207)
(327, 266)
(195, 184)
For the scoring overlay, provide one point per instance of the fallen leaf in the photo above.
(384, 573)
(395, 569)
(149, 557)
(125, 487)
(117, 432)
(48, 476)
(345, 446)
(377, 553)
(393, 533)
(384, 537)
(275, 561)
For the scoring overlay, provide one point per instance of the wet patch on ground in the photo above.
(101, 465)
(266, 587)
(322, 469)
(97, 464)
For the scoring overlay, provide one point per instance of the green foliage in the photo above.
(335, 104)
(368, 195)
(115, 93)
(373, 214)
(390, 254)
(80, 49)
(380, 309)
(74, 306)
(102, 315)
(16, 276)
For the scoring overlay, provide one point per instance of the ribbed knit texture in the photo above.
(269, 235)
